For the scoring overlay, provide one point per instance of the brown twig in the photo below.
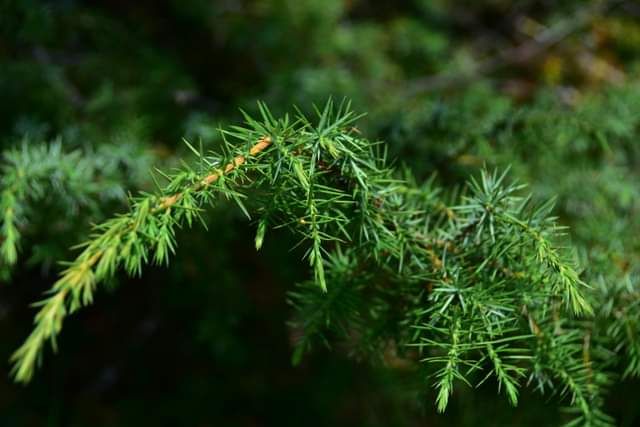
(516, 55)
(261, 145)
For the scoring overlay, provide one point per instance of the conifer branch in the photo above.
(115, 244)
(80, 183)
(373, 240)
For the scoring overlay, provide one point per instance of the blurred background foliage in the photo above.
(549, 88)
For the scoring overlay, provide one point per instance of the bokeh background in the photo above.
(549, 88)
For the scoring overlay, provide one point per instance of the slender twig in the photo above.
(237, 161)
(516, 55)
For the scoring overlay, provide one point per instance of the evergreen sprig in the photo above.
(464, 284)
(79, 183)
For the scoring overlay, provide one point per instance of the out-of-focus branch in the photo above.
(520, 54)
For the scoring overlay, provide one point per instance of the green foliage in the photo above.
(474, 286)
(422, 263)
(81, 185)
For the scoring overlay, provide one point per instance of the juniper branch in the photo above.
(119, 242)
(79, 182)
(451, 281)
